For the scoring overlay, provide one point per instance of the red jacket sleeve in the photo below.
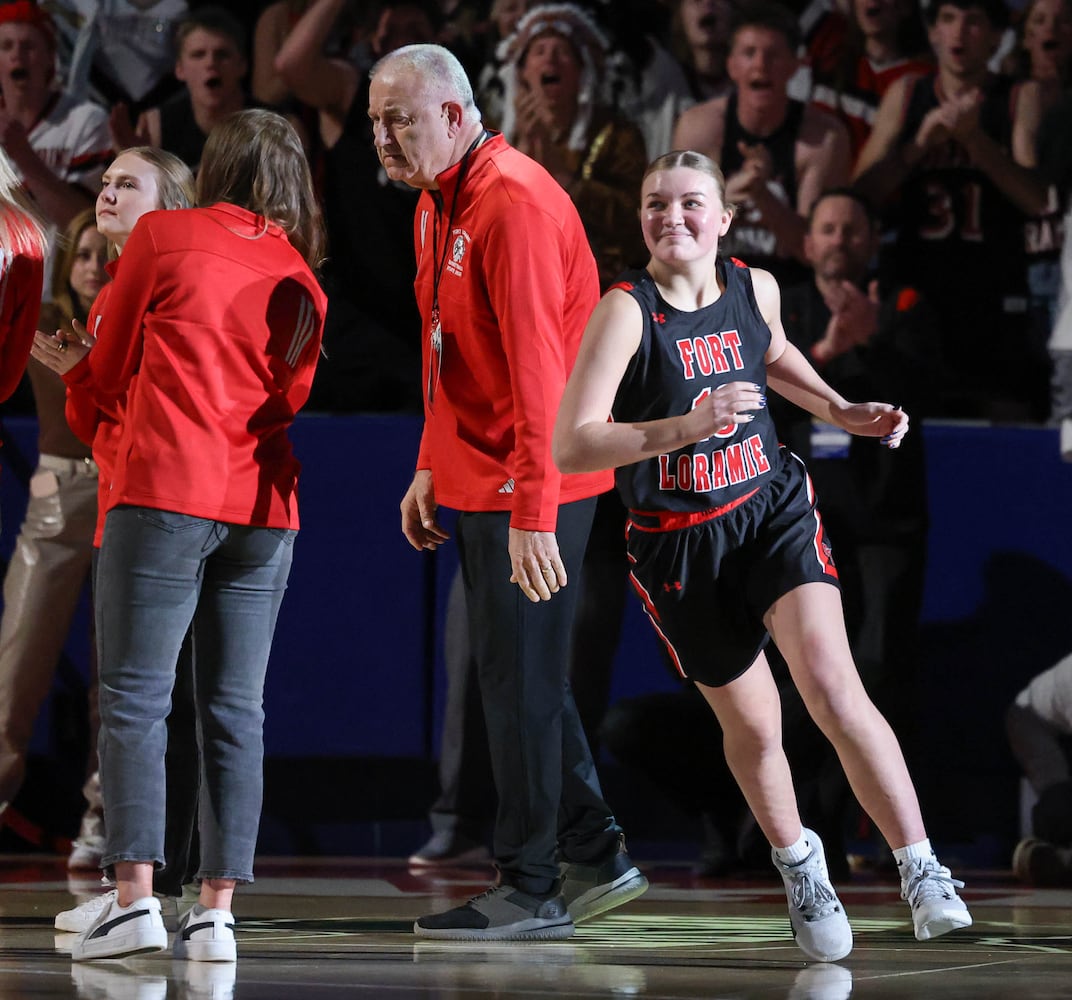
(20, 302)
(527, 288)
(106, 371)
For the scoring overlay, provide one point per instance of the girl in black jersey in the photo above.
(725, 542)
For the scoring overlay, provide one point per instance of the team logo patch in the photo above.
(459, 247)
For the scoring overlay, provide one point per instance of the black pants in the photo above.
(550, 801)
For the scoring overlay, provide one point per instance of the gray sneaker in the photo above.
(931, 891)
(592, 889)
(820, 926)
(503, 913)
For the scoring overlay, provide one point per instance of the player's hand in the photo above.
(728, 405)
(881, 420)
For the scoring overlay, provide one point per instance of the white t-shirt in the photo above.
(130, 42)
(1049, 695)
(75, 143)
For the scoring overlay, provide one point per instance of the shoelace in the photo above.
(488, 893)
(813, 896)
(98, 903)
(929, 881)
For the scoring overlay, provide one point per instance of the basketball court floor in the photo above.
(329, 928)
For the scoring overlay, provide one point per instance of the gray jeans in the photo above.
(159, 572)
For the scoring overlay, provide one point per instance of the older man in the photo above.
(505, 284)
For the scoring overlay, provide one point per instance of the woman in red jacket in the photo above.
(139, 180)
(22, 269)
(211, 334)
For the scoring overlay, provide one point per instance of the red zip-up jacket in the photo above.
(22, 271)
(211, 334)
(517, 285)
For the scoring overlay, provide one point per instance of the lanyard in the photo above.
(439, 261)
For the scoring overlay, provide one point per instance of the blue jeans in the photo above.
(160, 572)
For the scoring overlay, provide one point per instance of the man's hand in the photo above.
(962, 114)
(853, 322)
(749, 183)
(418, 507)
(954, 118)
(536, 566)
(123, 133)
(15, 139)
(536, 135)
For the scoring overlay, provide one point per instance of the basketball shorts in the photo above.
(707, 579)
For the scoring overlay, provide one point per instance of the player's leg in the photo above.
(749, 710)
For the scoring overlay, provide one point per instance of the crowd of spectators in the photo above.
(791, 99)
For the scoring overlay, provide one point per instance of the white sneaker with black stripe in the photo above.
(206, 935)
(78, 918)
(122, 930)
(82, 916)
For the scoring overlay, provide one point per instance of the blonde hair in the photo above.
(174, 181)
(254, 159)
(22, 231)
(693, 161)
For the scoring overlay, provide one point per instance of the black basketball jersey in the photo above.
(748, 239)
(682, 358)
(960, 239)
(179, 132)
(370, 230)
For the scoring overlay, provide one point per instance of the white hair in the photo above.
(428, 62)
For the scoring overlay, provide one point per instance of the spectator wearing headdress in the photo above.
(555, 111)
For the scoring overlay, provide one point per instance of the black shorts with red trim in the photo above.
(707, 579)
